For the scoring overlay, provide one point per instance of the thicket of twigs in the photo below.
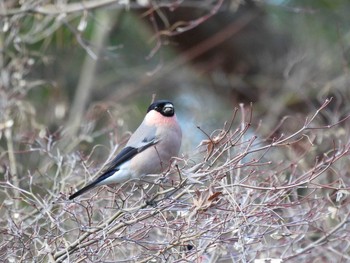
(282, 197)
(244, 194)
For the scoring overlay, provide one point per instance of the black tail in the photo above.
(83, 190)
(104, 176)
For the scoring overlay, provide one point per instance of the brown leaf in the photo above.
(214, 196)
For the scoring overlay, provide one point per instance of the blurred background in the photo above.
(77, 76)
(84, 73)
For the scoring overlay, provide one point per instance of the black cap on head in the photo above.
(164, 107)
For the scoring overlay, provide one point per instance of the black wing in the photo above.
(126, 154)
(129, 152)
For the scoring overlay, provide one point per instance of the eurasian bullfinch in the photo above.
(148, 151)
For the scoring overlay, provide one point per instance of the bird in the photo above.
(148, 151)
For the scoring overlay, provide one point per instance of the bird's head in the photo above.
(164, 107)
